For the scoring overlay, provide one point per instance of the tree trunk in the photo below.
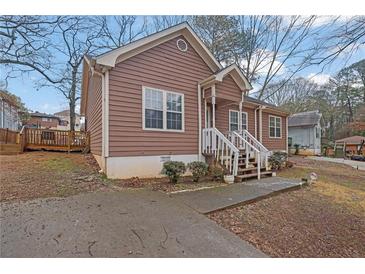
(72, 99)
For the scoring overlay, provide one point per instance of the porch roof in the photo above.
(232, 70)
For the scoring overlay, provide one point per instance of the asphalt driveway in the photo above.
(136, 223)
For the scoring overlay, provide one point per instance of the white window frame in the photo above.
(239, 119)
(164, 110)
(281, 127)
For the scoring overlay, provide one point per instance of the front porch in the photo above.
(229, 129)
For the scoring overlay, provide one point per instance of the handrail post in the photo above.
(259, 166)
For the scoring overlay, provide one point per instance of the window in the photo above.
(233, 120)
(274, 126)
(163, 110)
(44, 119)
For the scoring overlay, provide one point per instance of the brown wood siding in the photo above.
(273, 143)
(94, 114)
(163, 67)
(228, 89)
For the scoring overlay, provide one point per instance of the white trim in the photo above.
(164, 111)
(239, 119)
(186, 45)
(281, 127)
(103, 115)
(287, 135)
(107, 113)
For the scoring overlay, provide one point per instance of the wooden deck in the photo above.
(43, 139)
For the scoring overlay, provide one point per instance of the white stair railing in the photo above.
(214, 142)
(250, 150)
(264, 152)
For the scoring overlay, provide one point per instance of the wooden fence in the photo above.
(43, 139)
(8, 136)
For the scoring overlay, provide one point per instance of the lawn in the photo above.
(326, 219)
(48, 174)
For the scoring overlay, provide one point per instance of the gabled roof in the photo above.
(351, 140)
(110, 58)
(308, 118)
(232, 70)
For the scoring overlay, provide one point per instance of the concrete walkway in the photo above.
(137, 223)
(355, 164)
(213, 199)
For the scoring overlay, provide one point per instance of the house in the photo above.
(350, 146)
(9, 111)
(43, 120)
(165, 97)
(304, 131)
(65, 120)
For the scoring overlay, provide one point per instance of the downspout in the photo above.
(199, 123)
(260, 123)
(287, 134)
(213, 105)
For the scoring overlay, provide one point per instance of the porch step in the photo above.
(252, 175)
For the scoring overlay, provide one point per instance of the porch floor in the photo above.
(218, 198)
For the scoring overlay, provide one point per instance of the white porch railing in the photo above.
(250, 150)
(214, 142)
(264, 152)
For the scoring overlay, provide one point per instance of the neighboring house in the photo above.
(350, 146)
(65, 120)
(43, 120)
(165, 97)
(304, 129)
(9, 112)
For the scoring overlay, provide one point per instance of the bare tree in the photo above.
(274, 46)
(219, 34)
(344, 38)
(77, 36)
(120, 30)
(25, 45)
(163, 22)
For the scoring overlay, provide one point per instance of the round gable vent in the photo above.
(182, 45)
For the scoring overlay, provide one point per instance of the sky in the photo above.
(49, 100)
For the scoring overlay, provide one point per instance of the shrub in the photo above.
(278, 160)
(173, 170)
(198, 169)
(217, 173)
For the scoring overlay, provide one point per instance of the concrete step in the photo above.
(252, 175)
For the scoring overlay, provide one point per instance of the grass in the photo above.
(61, 164)
(340, 183)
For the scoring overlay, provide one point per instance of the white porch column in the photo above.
(200, 123)
(260, 124)
(240, 117)
(213, 105)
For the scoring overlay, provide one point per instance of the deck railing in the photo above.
(215, 143)
(55, 139)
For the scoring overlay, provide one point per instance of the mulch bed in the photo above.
(163, 184)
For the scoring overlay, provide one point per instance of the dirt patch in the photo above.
(48, 174)
(326, 219)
